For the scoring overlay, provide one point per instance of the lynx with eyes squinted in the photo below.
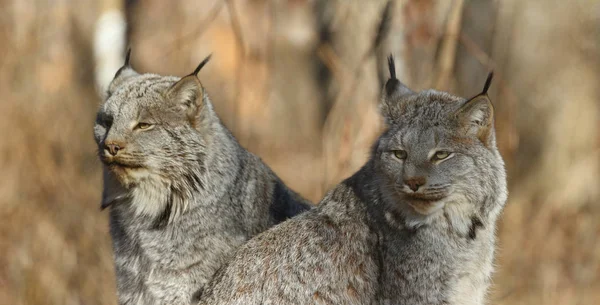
(414, 226)
(183, 193)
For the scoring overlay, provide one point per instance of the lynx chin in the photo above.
(415, 225)
(183, 194)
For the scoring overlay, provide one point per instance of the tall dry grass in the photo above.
(54, 243)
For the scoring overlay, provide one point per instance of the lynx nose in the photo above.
(414, 183)
(113, 148)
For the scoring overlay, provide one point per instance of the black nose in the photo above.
(113, 148)
(414, 183)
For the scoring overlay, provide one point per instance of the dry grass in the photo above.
(54, 243)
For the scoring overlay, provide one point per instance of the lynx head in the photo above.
(438, 149)
(149, 130)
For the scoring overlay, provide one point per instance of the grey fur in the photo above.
(372, 240)
(183, 193)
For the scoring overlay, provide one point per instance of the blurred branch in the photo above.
(270, 50)
(445, 64)
(477, 52)
(382, 31)
(332, 61)
(199, 30)
(239, 37)
(236, 26)
(336, 140)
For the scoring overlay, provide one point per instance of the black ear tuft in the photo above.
(392, 66)
(127, 57)
(393, 87)
(126, 67)
(488, 83)
(392, 84)
(201, 65)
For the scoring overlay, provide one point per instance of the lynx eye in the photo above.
(400, 154)
(143, 126)
(441, 155)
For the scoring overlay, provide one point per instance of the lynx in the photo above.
(183, 194)
(415, 225)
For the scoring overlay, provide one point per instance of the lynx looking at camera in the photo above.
(415, 225)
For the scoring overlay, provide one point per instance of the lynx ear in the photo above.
(394, 92)
(188, 94)
(477, 115)
(125, 72)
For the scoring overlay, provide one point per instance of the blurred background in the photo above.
(298, 83)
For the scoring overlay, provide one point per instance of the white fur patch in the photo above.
(458, 211)
(151, 193)
(427, 208)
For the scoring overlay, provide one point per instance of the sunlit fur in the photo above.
(372, 239)
(183, 194)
